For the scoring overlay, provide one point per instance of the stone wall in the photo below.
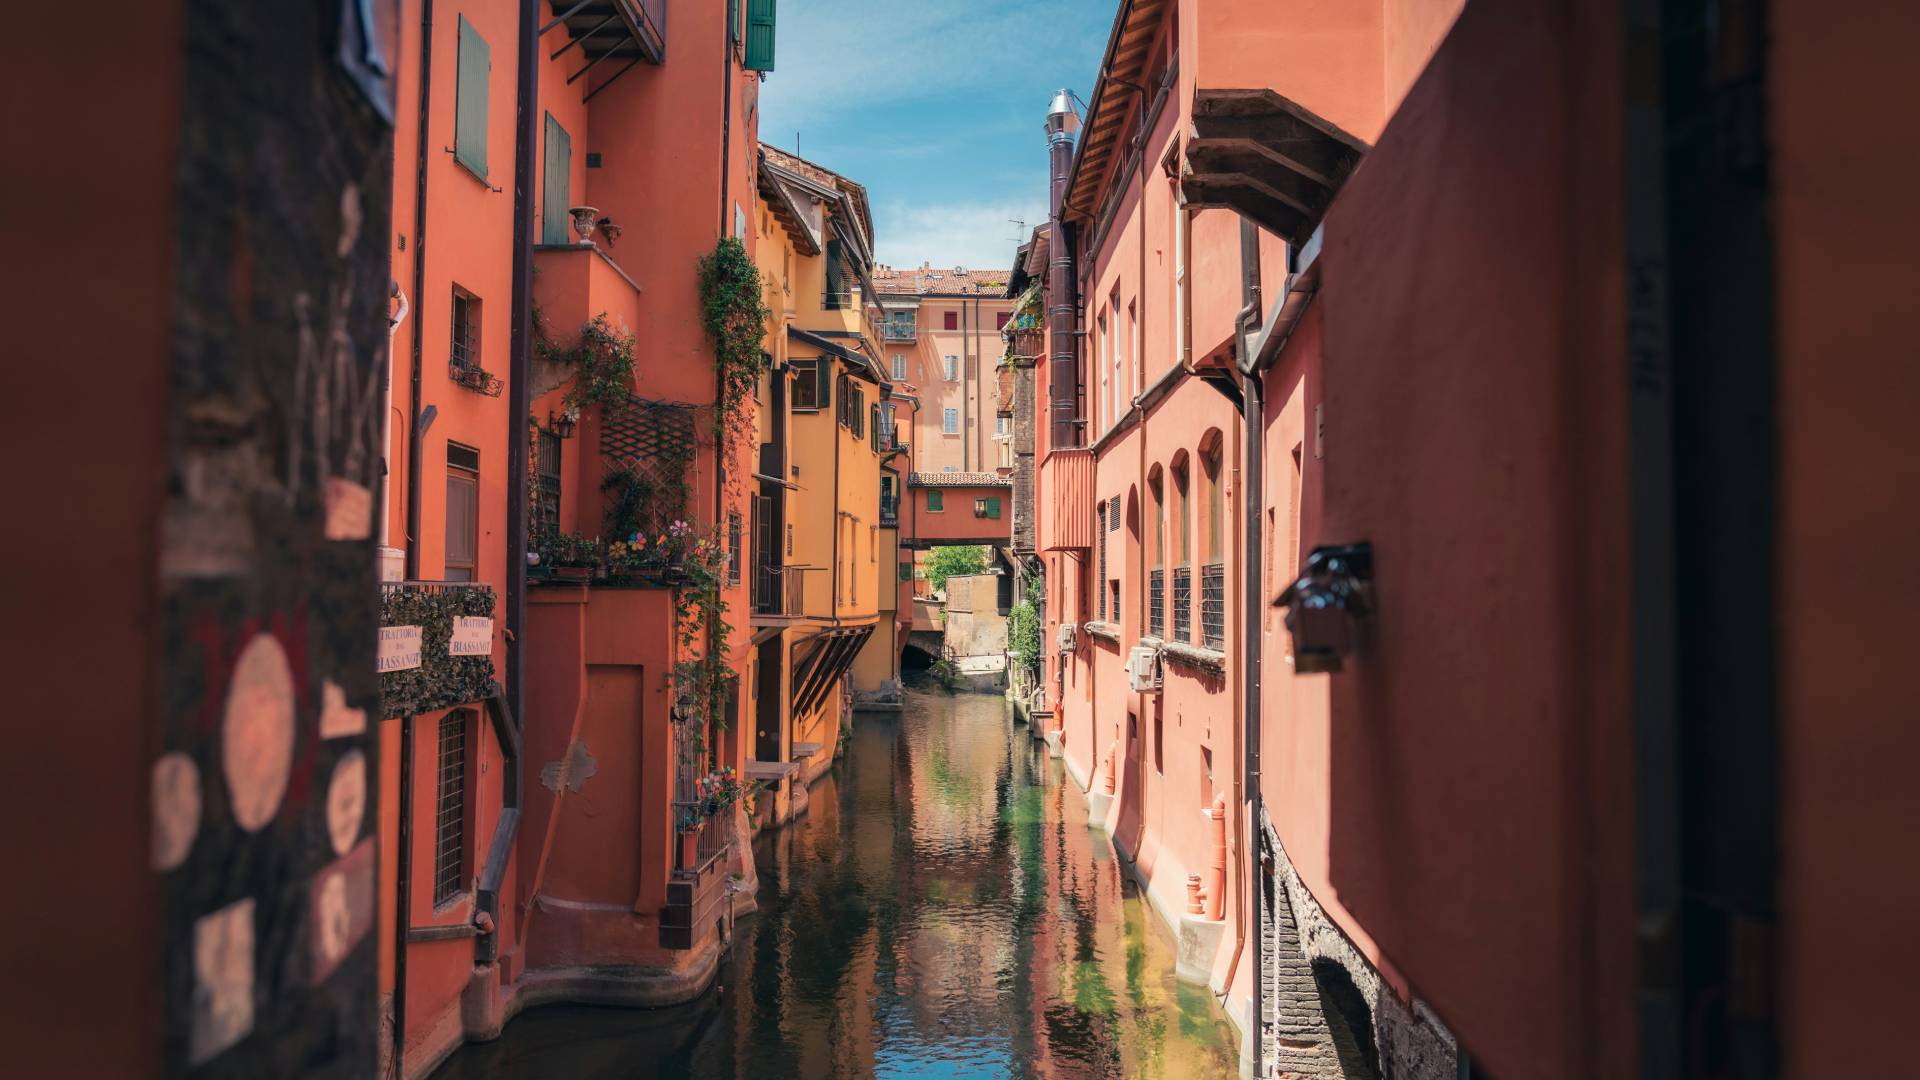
(1326, 1013)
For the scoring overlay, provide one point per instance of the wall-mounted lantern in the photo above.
(563, 423)
(1325, 605)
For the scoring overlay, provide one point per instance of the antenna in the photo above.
(1020, 230)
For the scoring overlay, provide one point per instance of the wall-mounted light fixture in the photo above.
(1325, 605)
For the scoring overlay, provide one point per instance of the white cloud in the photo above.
(973, 235)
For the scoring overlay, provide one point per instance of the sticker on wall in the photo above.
(175, 791)
(256, 742)
(337, 721)
(349, 510)
(346, 800)
(472, 636)
(222, 980)
(399, 648)
(341, 907)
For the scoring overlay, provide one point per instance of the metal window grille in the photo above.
(546, 510)
(1213, 605)
(1182, 603)
(1157, 602)
(1101, 525)
(450, 813)
(733, 549)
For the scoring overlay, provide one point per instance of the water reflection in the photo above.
(943, 911)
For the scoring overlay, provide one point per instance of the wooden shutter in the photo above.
(470, 100)
(556, 195)
(759, 35)
(834, 298)
(463, 524)
(993, 506)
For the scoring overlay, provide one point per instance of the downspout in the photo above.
(519, 409)
(415, 457)
(386, 420)
(403, 858)
(1248, 730)
(1140, 444)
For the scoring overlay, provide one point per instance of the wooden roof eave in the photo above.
(1265, 156)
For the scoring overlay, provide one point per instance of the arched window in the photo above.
(1213, 570)
(1156, 554)
(1180, 526)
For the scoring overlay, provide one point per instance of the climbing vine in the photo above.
(602, 361)
(1023, 636)
(735, 318)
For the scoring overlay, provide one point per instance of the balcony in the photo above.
(890, 513)
(779, 592)
(1071, 479)
(898, 330)
(436, 645)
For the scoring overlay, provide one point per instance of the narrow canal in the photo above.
(942, 911)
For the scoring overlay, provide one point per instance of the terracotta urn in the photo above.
(584, 218)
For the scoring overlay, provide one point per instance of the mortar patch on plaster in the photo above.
(571, 771)
(256, 742)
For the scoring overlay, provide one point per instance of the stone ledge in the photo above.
(1211, 661)
(1105, 631)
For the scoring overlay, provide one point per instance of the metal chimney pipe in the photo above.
(1063, 124)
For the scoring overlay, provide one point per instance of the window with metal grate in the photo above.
(1213, 605)
(450, 812)
(1157, 602)
(1183, 603)
(1101, 527)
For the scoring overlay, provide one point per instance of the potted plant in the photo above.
(571, 557)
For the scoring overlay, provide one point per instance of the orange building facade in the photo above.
(1398, 500)
(508, 777)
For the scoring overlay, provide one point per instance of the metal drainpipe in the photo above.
(519, 402)
(415, 460)
(1252, 494)
(403, 860)
(403, 895)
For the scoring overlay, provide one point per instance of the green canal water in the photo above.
(942, 911)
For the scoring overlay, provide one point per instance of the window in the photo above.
(546, 508)
(1132, 346)
(1100, 526)
(887, 437)
(1156, 560)
(556, 185)
(987, 508)
(900, 366)
(952, 368)
(1182, 553)
(1213, 583)
(733, 548)
(463, 342)
(1115, 395)
(475, 67)
(836, 278)
(873, 427)
(936, 500)
(1000, 321)
(1000, 424)
(463, 512)
(1113, 526)
(450, 810)
(950, 320)
(950, 468)
(1103, 348)
(810, 385)
(760, 36)
(950, 421)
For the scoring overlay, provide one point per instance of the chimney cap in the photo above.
(1063, 119)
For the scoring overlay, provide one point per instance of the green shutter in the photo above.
(759, 35)
(733, 20)
(993, 507)
(556, 194)
(936, 500)
(906, 571)
(470, 100)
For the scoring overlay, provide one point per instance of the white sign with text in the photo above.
(399, 648)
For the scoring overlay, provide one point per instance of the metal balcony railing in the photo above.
(1157, 602)
(1183, 603)
(709, 837)
(890, 513)
(1213, 605)
(891, 330)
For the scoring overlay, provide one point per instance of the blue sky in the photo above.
(936, 106)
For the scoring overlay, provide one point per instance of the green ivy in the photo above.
(1023, 635)
(441, 680)
(735, 318)
(602, 361)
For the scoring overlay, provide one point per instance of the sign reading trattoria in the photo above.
(472, 636)
(399, 648)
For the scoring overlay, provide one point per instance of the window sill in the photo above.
(1195, 657)
(1105, 631)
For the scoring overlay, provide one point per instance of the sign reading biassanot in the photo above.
(472, 636)
(399, 648)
